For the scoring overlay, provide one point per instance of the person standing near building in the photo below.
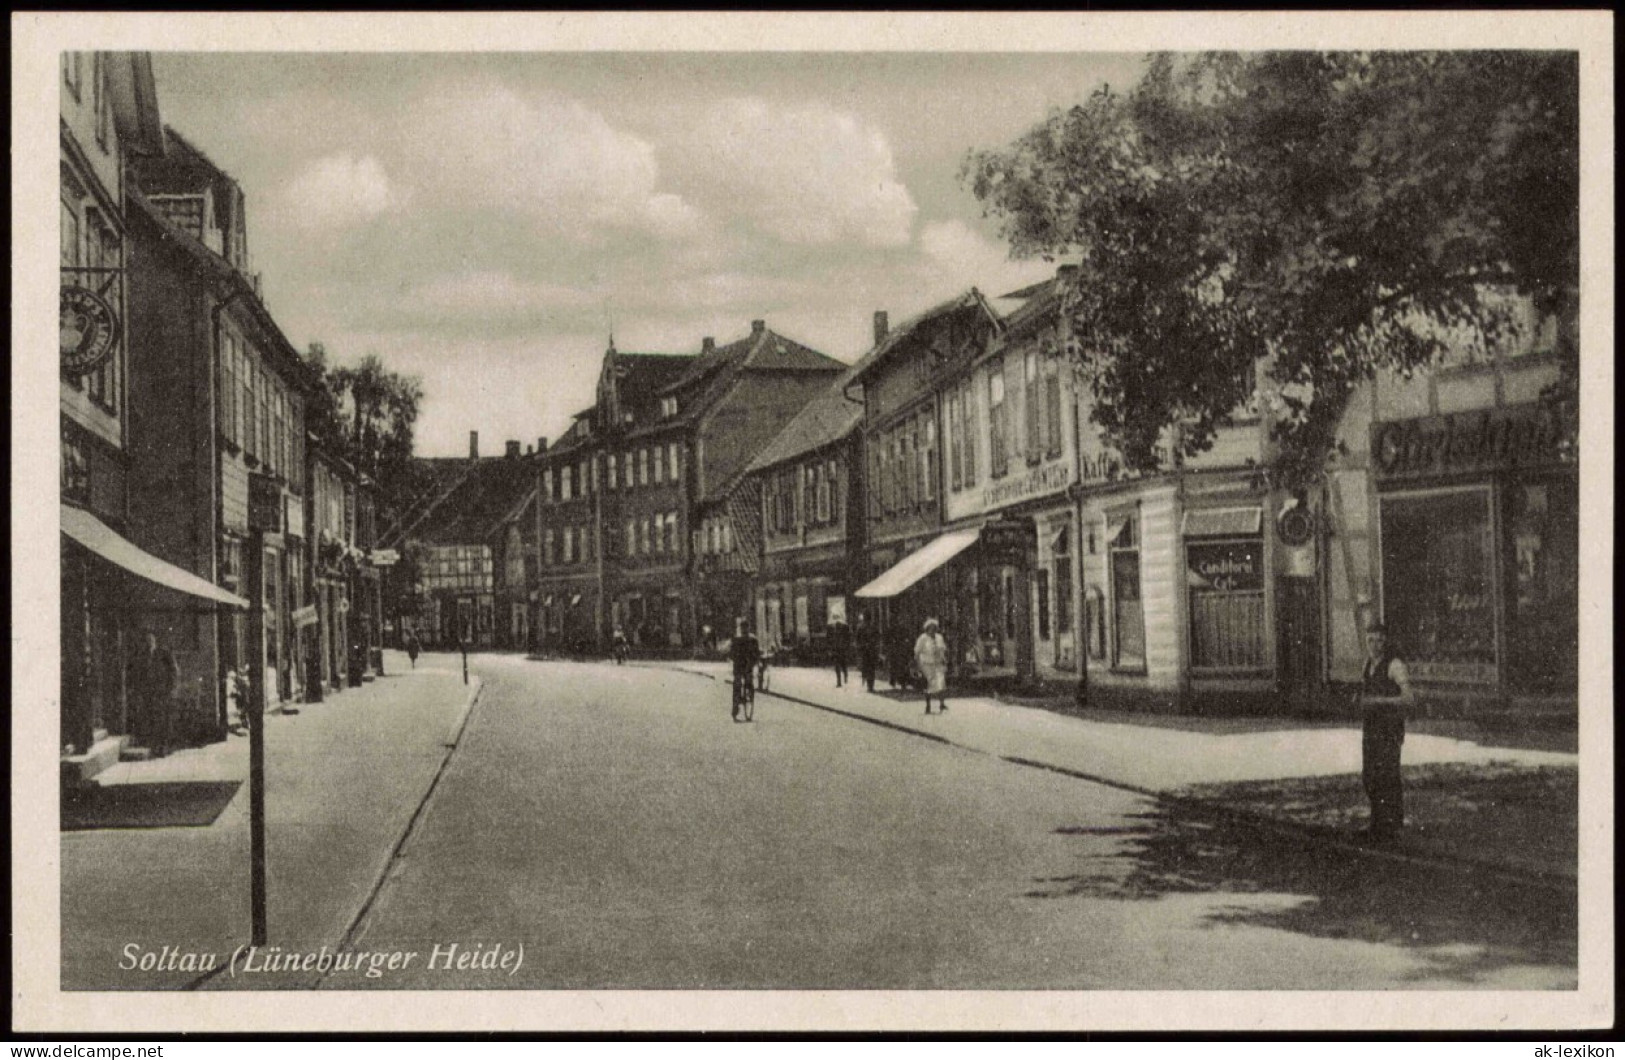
(840, 644)
(868, 650)
(413, 647)
(154, 679)
(1385, 696)
(931, 656)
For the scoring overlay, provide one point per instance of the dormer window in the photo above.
(668, 407)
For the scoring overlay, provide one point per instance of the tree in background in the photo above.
(1324, 214)
(366, 414)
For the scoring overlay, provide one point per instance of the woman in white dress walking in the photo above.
(931, 656)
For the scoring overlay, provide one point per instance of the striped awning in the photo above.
(107, 543)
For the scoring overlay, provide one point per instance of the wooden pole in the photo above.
(254, 570)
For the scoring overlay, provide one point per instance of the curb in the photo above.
(452, 738)
(455, 733)
(1205, 808)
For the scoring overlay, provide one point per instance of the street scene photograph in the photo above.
(670, 517)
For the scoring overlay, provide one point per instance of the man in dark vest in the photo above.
(1385, 696)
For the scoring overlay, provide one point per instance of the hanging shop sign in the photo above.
(1295, 526)
(1047, 479)
(88, 331)
(1518, 436)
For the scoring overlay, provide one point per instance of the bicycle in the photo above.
(744, 698)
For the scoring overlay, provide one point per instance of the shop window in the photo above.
(1543, 535)
(1438, 583)
(1063, 581)
(1128, 607)
(1224, 574)
(1042, 581)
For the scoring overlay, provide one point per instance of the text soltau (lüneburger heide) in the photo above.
(247, 960)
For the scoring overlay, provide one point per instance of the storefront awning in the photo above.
(916, 565)
(103, 540)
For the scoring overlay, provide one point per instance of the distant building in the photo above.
(454, 546)
(800, 525)
(657, 456)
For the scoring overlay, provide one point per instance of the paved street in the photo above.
(619, 828)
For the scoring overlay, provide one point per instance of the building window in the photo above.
(568, 556)
(1032, 407)
(98, 95)
(631, 537)
(1063, 581)
(644, 537)
(583, 478)
(1052, 405)
(643, 467)
(1128, 608)
(670, 532)
(547, 483)
(614, 468)
(1224, 570)
(928, 458)
(548, 554)
(996, 426)
(1438, 579)
(674, 470)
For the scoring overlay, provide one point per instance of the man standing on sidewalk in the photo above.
(840, 643)
(155, 675)
(868, 650)
(1385, 696)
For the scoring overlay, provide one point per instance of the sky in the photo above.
(485, 221)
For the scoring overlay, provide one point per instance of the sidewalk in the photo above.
(1279, 772)
(344, 778)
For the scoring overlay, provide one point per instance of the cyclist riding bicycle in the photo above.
(745, 653)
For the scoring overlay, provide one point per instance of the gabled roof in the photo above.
(1043, 301)
(642, 377)
(478, 504)
(828, 418)
(763, 350)
(898, 336)
(217, 268)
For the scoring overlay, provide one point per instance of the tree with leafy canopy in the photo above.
(366, 414)
(1322, 214)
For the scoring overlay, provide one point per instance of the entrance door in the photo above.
(1298, 639)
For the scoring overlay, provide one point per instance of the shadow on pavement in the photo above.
(1463, 928)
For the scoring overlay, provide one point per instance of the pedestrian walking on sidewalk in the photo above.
(1385, 696)
(840, 643)
(931, 656)
(868, 650)
(412, 648)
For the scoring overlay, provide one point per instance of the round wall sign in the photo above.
(89, 330)
(1295, 527)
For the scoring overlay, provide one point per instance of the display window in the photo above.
(1224, 574)
(1128, 606)
(1439, 583)
(1542, 559)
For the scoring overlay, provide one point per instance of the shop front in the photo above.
(976, 581)
(1478, 539)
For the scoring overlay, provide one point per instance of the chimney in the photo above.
(513, 449)
(541, 445)
(473, 445)
(882, 326)
(757, 327)
(708, 345)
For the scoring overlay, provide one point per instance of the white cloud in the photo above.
(340, 190)
(561, 163)
(955, 256)
(809, 175)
